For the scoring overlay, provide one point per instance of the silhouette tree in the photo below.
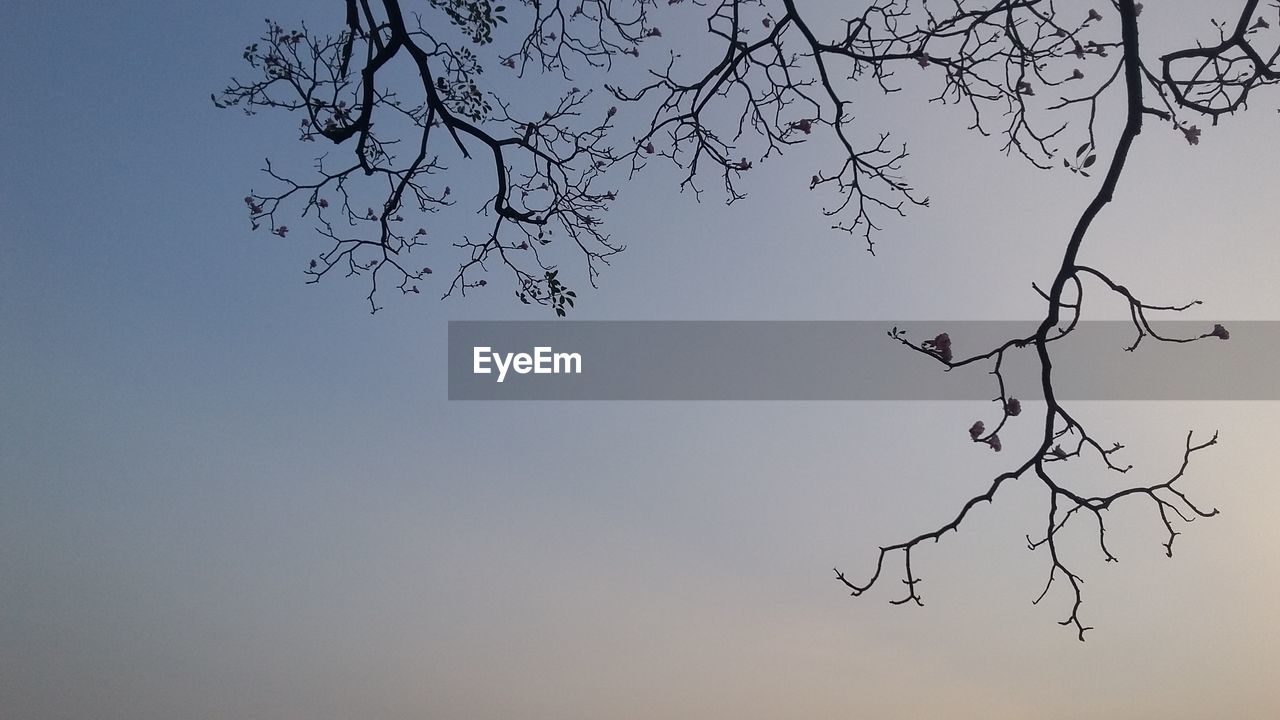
(405, 99)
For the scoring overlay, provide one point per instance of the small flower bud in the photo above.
(976, 430)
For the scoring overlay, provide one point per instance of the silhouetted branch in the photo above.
(1169, 501)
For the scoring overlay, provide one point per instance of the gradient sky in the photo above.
(227, 494)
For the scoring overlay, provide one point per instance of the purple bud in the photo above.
(975, 432)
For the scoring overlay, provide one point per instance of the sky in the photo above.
(228, 494)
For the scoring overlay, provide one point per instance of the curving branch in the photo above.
(1060, 427)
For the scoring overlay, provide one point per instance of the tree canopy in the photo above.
(403, 99)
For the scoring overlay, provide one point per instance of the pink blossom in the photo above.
(1013, 407)
(942, 344)
(976, 431)
(1220, 333)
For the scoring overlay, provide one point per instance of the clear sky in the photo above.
(227, 494)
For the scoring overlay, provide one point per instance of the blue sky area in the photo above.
(228, 494)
